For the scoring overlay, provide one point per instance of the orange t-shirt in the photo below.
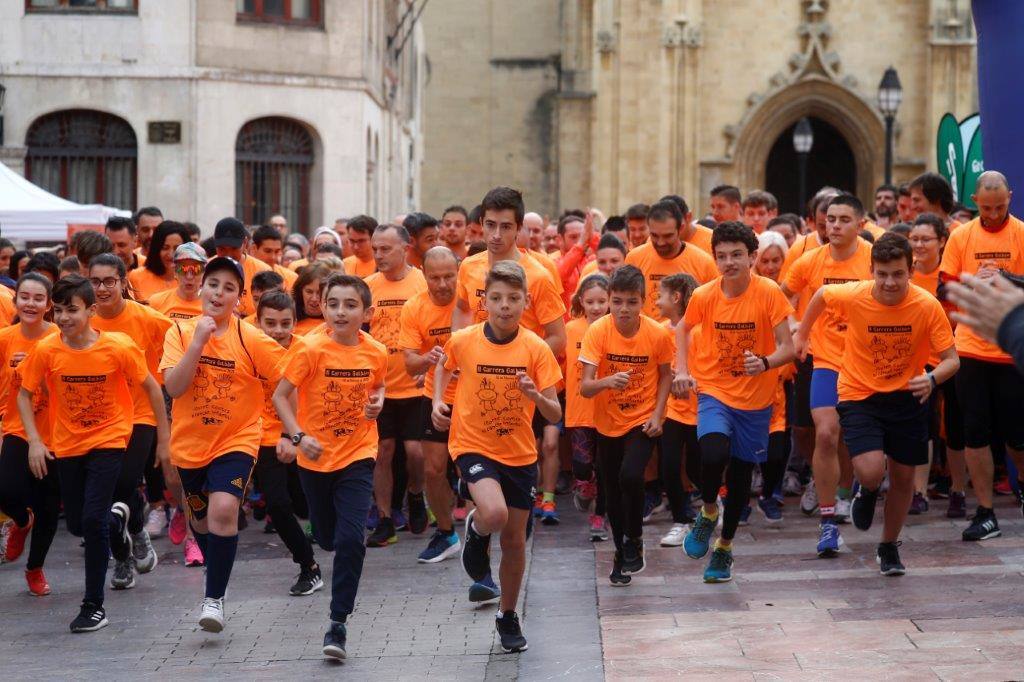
(546, 303)
(359, 268)
(701, 238)
(801, 245)
(691, 260)
(930, 283)
(729, 328)
(386, 325)
(778, 418)
(297, 265)
(490, 415)
(423, 325)
(90, 399)
(888, 345)
(144, 284)
(874, 229)
(811, 272)
(970, 248)
(7, 310)
(306, 325)
(272, 427)
(579, 411)
(588, 269)
(220, 412)
(147, 328)
(13, 341)
(548, 263)
(334, 383)
(174, 306)
(682, 410)
(616, 412)
(287, 274)
(251, 266)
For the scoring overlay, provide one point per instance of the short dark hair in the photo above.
(886, 187)
(267, 280)
(760, 197)
(937, 223)
(730, 192)
(476, 215)
(637, 212)
(109, 260)
(791, 219)
(265, 233)
(66, 288)
(708, 223)
(663, 210)
(504, 199)
(193, 230)
(569, 217)
(117, 223)
(6, 243)
(154, 263)
(341, 280)
(628, 278)
(331, 248)
(151, 211)
(70, 264)
(678, 201)
(847, 199)
(935, 188)
(363, 224)
(867, 236)
(455, 208)
(275, 300)
(44, 261)
(16, 258)
(681, 283)
(400, 230)
(417, 222)
(904, 189)
(615, 223)
(892, 247)
(38, 279)
(91, 244)
(610, 241)
(733, 231)
(475, 248)
(507, 272)
(901, 228)
(823, 195)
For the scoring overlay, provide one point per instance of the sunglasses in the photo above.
(194, 269)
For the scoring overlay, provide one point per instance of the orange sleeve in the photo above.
(592, 346)
(461, 284)
(451, 351)
(952, 257)
(133, 363)
(6, 309)
(779, 306)
(266, 353)
(174, 348)
(836, 296)
(665, 350)
(546, 371)
(940, 331)
(694, 314)
(33, 369)
(548, 305)
(409, 335)
(796, 276)
(298, 367)
(381, 372)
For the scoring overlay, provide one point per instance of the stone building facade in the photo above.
(610, 102)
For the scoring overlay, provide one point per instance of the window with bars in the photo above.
(114, 6)
(294, 12)
(273, 160)
(85, 156)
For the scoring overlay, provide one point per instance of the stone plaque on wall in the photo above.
(164, 132)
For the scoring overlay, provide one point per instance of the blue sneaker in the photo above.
(548, 515)
(484, 590)
(830, 540)
(442, 545)
(770, 508)
(719, 569)
(476, 552)
(373, 518)
(400, 519)
(699, 538)
(745, 515)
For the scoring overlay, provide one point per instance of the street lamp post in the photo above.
(803, 140)
(890, 94)
(3, 93)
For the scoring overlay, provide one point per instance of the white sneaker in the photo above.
(212, 617)
(156, 522)
(809, 500)
(791, 484)
(675, 535)
(843, 508)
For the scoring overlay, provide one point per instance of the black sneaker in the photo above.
(888, 558)
(308, 582)
(864, 508)
(983, 526)
(510, 633)
(334, 641)
(120, 538)
(383, 535)
(476, 551)
(418, 520)
(633, 556)
(90, 618)
(617, 577)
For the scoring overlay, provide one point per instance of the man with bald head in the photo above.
(533, 231)
(988, 386)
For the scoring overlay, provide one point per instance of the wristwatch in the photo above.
(297, 438)
(764, 359)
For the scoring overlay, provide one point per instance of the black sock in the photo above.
(200, 540)
(219, 561)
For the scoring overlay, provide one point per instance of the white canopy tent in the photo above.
(30, 213)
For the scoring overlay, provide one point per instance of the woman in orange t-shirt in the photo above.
(158, 273)
(306, 294)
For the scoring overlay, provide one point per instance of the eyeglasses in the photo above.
(106, 282)
(194, 269)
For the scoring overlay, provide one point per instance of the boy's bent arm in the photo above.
(548, 405)
(783, 346)
(814, 310)
(163, 429)
(177, 379)
(590, 385)
(282, 400)
(28, 419)
(554, 336)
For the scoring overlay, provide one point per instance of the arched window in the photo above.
(85, 156)
(273, 158)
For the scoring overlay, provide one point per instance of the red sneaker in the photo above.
(37, 584)
(193, 555)
(16, 539)
(176, 529)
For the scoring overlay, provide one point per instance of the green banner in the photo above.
(949, 152)
(973, 167)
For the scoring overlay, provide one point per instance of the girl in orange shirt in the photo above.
(306, 294)
(158, 273)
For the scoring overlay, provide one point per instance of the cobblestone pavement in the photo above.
(959, 613)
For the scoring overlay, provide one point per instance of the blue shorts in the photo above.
(823, 388)
(747, 429)
(228, 473)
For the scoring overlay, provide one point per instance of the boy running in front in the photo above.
(504, 371)
(892, 328)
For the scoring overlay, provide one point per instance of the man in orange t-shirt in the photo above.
(989, 387)
(266, 246)
(231, 240)
(360, 231)
(394, 283)
(892, 327)
(759, 207)
(744, 321)
(692, 232)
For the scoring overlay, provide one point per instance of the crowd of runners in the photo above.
(463, 372)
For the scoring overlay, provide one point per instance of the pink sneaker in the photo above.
(193, 555)
(176, 531)
(598, 532)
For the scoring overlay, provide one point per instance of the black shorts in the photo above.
(427, 430)
(400, 419)
(799, 408)
(539, 422)
(518, 484)
(991, 395)
(895, 423)
(229, 473)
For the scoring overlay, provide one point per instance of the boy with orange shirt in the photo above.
(744, 320)
(212, 367)
(627, 361)
(504, 371)
(892, 327)
(87, 375)
(340, 378)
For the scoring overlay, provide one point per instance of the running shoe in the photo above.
(17, 536)
(476, 552)
(653, 504)
(863, 512)
(123, 577)
(983, 526)
(791, 486)
(548, 515)
(37, 584)
(583, 494)
(176, 528)
(830, 540)
(193, 555)
(843, 510)
(771, 509)
(633, 561)
(719, 568)
(372, 518)
(442, 546)
(957, 508)
(156, 522)
(888, 558)
(211, 618)
(809, 500)
(598, 530)
(538, 506)
(418, 519)
(744, 515)
(120, 539)
(459, 514)
(308, 582)
(617, 578)
(675, 536)
(5, 534)
(484, 590)
(90, 618)
(334, 641)
(400, 520)
(918, 505)
(383, 535)
(143, 553)
(699, 538)
(1002, 486)
(510, 633)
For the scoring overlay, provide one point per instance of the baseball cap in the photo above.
(230, 232)
(225, 263)
(190, 251)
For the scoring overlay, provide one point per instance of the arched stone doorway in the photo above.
(830, 162)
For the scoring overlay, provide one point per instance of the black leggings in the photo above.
(716, 461)
(21, 491)
(676, 439)
(279, 483)
(775, 468)
(622, 461)
(584, 461)
(140, 453)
